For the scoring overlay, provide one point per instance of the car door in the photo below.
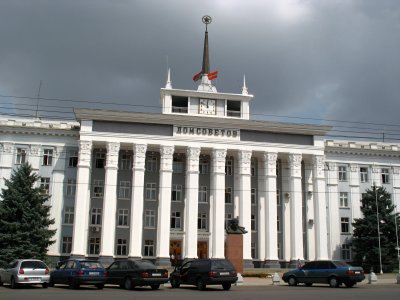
(324, 268)
(184, 272)
(8, 272)
(114, 273)
(67, 272)
(193, 272)
(307, 273)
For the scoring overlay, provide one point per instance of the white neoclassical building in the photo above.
(126, 184)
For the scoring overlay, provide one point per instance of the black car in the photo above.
(75, 272)
(204, 272)
(131, 273)
(329, 272)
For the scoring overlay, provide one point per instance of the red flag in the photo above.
(197, 76)
(212, 75)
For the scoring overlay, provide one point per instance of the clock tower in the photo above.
(205, 101)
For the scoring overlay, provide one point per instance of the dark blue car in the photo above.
(75, 272)
(329, 272)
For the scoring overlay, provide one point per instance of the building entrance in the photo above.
(202, 249)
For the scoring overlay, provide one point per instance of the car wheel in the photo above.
(201, 285)
(14, 285)
(1, 282)
(45, 285)
(349, 284)
(226, 286)
(155, 286)
(128, 284)
(292, 281)
(175, 283)
(51, 283)
(309, 284)
(333, 282)
(100, 286)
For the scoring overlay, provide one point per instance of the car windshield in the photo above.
(90, 265)
(33, 264)
(145, 265)
(340, 264)
(221, 264)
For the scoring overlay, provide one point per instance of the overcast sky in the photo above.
(329, 60)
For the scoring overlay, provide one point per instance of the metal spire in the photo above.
(206, 62)
(244, 88)
(168, 84)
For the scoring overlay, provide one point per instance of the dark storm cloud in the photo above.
(318, 59)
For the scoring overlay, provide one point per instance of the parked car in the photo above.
(204, 272)
(22, 272)
(333, 273)
(76, 272)
(131, 273)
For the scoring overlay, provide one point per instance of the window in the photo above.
(228, 195)
(122, 247)
(100, 159)
(204, 165)
(203, 194)
(73, 159)
(94, 246)
(98, 188)
(47, 157)
(253, 167)
(124, 191)
(228, 218)
(253, 197)
(71, 187)
(176, 192)
(21, 156)
(202, 221)
(253, 250)
(253, 222)
(342, 173)
(344, 201)
(385, 176)
(278, 197)
(45, 185)
(346, 252)
(345, 225)
(151, 163)
(69, 215)
(148, 248)
(278, 223)
(229, 167)
(126, 161)
(151, 191)
(150, 219)
(95, 218)
(364, 174)
(66, 244)
(123, 217)
(178, 164)
(175, 219)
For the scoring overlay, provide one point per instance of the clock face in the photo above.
(207, 107)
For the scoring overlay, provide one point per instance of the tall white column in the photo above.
(354, 182)
(244, 162)
(309, 217)
(35, 157)
(270, 212)
(296, 210)
(110, 202)
(333, 205)
(191, 202)
(82, 200)
(136, 230)
(6, 162)
(164, 206)
(218, 203)
(261, 206)
(321, 240)
(57, 198)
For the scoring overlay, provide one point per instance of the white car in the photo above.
(22, 272)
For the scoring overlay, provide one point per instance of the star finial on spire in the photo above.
(244, 88)
(168, 85)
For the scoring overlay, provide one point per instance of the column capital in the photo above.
(85, 151)
(332, 166)
(193, 154)
(166, 155)
(218, 157)
(269, 159)
(6, 147)
(295, 164)
(112, 155)
(318, 166)
(354, 167)
(139, 156)
(244, 160)
(34, 150)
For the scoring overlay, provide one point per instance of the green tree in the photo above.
(24, 218)
(365, 236)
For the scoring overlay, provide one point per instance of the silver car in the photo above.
(22, 272)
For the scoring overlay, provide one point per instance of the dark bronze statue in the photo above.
(234, 228)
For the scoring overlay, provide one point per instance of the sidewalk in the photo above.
(384, 279)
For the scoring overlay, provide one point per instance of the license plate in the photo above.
(34, 278)
(156, 274)
(94, 273)
(357, 272)
(224, 273)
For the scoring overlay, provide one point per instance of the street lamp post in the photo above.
(379, 231)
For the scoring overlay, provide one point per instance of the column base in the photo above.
(163, 262)
(272, 264)
(106, 260)
(248, 264)
(294, 264)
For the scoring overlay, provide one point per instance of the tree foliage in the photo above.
(365, 236)
(24, 218)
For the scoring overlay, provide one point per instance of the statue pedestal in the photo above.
(234, 251)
